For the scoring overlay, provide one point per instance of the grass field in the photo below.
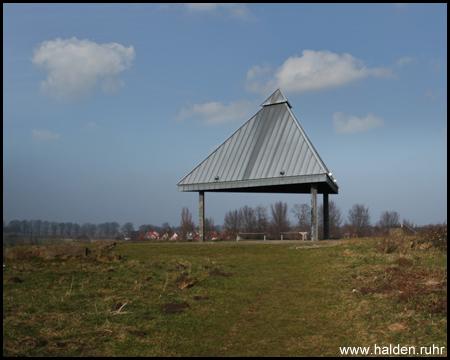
(148, 299)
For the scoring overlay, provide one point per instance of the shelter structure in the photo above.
(270, 153)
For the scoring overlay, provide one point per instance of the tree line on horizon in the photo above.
(248, 220)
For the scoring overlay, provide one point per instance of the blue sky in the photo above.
(107, 106)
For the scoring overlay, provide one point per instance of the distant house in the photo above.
(212, 235)
(152, 235)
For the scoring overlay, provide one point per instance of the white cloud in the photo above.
(42, 137)
(314, 70)
(435, 65)
(76, 66)
(350, 124)
(239, 11)
(432, 96)
(404, 60)
(93, 127)
(214, 113)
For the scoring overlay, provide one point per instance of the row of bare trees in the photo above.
(39, 228)
(258, 220)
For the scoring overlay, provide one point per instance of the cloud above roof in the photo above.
(43, 137)
(74, 67)
(215, 113)
(350, 124)
(313, 70)
(234, 10)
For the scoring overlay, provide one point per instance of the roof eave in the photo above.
(289, 184)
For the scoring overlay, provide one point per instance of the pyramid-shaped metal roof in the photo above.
(269, 153)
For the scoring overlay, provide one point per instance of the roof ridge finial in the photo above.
(277, 97)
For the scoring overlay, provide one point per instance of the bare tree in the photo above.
(62, 228)
(45, 227)
(37, 227)
(101, 228)
(114, 228)
(389, 219)
(359, 220)
(209, 227)
(107, 228)
(76, 229)
(26, 228)
(92, 230)
(89, 229)
(54, 227)
(279, 216)
(335, 219)
(303, 214)
(128, 227)
(143, 228)
(31, 227)
(69, 227)
(187, 225)
(232, 223)
(15, 226)
(262, 219)
(85, 228)
(248, 219)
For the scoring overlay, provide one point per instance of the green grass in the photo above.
(225, 300)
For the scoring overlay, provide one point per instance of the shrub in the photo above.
(389, 244)
(432, 236)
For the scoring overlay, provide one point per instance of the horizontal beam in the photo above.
(291, 184)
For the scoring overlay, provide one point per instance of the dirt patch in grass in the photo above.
(138, 333)
(403, 262)
(174, 308)
(117, 306)
(216, 272)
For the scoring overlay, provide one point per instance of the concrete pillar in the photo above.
(326, 217)
(314, 222)
(201, 220)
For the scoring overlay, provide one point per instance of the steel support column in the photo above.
(326, 217)
(314, 223)
(201, 220)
